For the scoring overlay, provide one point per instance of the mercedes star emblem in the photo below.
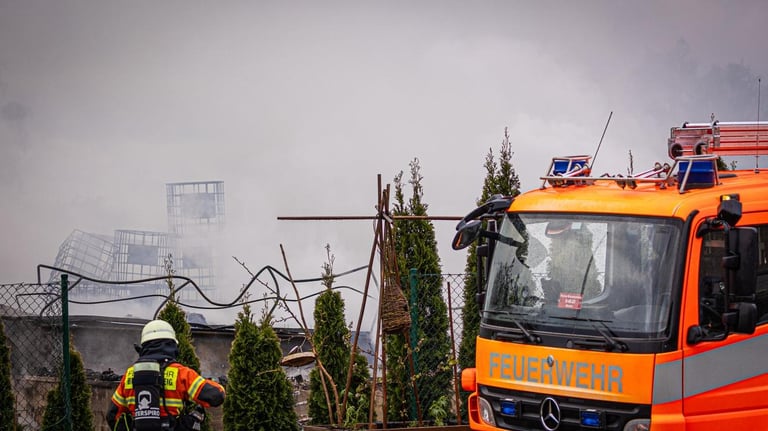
(549, 412)
(550, 361)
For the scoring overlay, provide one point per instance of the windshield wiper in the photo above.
(527, 335)
(610, 344)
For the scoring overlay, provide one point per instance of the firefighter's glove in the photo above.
(193, 420)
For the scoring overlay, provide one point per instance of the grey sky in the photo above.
(297, 106)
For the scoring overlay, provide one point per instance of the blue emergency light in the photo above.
(565, 165)
(591, 418)
(510, 408)
(697, 172)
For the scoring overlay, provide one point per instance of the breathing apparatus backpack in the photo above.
(149, 389)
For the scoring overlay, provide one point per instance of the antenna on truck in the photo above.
(757, 133)
(601, 140)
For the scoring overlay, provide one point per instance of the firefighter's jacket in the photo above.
(181, 384)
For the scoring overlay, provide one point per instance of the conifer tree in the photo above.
(54, 417)
(177, 318)
(470, 314)
(500, 179)
(416, 248)
(259, 395)
(6, 394)
(399, 390)
(331, 340)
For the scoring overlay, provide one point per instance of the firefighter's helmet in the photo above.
(158, 330)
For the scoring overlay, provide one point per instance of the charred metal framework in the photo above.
(140, 255)
(92, 254)
(195, 208)
(195, 218)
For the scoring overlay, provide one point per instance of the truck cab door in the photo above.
(725, 374)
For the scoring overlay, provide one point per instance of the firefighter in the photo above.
(154, 391)
(571, 268)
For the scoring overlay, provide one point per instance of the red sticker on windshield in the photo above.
(569, 300)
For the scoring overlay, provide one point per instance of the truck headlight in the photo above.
(638, 425)
(486, 412)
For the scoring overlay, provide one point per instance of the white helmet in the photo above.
(158, 330)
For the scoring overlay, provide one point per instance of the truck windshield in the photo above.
(606, 276)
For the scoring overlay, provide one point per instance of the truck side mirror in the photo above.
(740, 318)
(467, 234)
(747, 317)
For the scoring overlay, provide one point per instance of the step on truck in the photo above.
(627, 302)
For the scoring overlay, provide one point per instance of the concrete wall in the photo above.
(31, 393)
(107, 343)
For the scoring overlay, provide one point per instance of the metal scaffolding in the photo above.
(195, 208)
(196, 217)
(88, 254)
(139, 255)
(195, 220)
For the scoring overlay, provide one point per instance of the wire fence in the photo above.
(453, 285)
(32, 318)
(429, 387)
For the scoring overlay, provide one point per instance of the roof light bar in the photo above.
(575, 170)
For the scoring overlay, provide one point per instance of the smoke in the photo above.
(298, 107)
